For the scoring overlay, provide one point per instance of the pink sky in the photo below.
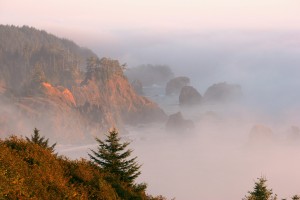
(101, 16)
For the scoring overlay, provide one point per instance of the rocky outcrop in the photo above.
(189, 96)
(176, 123)
(59, 94)
(175, 85)
(222, 93)
(261, 135)
(103, 100)
(137, 86)
(111, 94)
(48, 89)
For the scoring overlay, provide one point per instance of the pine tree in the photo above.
(41, 141)
(113, 157)
(261, 192)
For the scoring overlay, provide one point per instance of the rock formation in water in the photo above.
(176, 123)
(222, 93)
(189, 96)
(175, 85)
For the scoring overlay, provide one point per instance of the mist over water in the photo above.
(206, 167)
(220, 158)
(217, 159)
(264, 63)
(214, 161)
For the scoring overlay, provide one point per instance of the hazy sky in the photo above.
(111, 22)
(99, 16)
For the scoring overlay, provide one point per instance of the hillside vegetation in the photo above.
(29, 170)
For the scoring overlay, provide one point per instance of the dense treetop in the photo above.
(24, 49)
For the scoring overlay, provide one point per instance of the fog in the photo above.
(218, 159)
(206, 167)
(264, 63)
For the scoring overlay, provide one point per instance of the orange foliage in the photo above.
(29, 171)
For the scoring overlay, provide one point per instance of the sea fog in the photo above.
(220, 158)
(231, 144)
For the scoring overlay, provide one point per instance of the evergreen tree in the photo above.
(261, 192)
(41, 141)
(113, 157)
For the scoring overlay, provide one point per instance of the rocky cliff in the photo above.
(106, 89)
(48, 90)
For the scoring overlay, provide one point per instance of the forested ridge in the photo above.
(30, 169)
(23, 49)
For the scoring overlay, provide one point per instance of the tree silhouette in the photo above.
(261, 192)
(41, 141)
(113, 157)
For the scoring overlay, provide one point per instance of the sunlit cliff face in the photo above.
(59, 92)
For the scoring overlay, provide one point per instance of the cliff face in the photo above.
(86, 111)
(106, 89)
(59, 94)
(40, 87)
